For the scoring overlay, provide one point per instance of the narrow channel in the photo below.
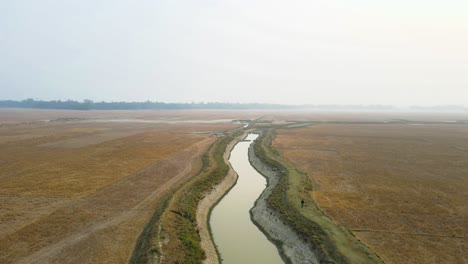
(238, 239)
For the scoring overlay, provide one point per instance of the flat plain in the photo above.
(399, 188)
(80, 186)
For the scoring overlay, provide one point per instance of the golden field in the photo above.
(401, 189)
(79, 186)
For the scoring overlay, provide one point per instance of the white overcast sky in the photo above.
(400, 52)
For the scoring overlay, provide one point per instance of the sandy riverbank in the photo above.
(209, 201)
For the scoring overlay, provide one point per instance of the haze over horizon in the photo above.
(300, 52)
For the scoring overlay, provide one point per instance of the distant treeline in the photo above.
(149, 105)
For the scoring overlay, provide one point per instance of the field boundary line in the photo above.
(404, 233)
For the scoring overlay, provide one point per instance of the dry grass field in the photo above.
(15, 116)
(401, 189)
(76, 191)
(287, 116)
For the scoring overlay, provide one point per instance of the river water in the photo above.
(237, 238)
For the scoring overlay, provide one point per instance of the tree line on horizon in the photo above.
(150, 105)
(147, 105)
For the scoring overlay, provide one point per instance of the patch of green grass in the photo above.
(146, 246)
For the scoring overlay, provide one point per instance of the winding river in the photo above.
(237, 238)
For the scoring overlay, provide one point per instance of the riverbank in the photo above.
(291, 247)
(304, 235)
(174, 237)
(209, 201)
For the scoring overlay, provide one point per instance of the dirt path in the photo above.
(209, 201)
(72, 243)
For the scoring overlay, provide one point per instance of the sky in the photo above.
(400, 52)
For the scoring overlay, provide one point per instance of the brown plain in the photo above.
(401, 189)
(81, 192)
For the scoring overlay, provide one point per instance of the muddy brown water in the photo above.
(238, 239)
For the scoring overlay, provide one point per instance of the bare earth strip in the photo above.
(208, 202)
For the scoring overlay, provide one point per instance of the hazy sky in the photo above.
(400, 52)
